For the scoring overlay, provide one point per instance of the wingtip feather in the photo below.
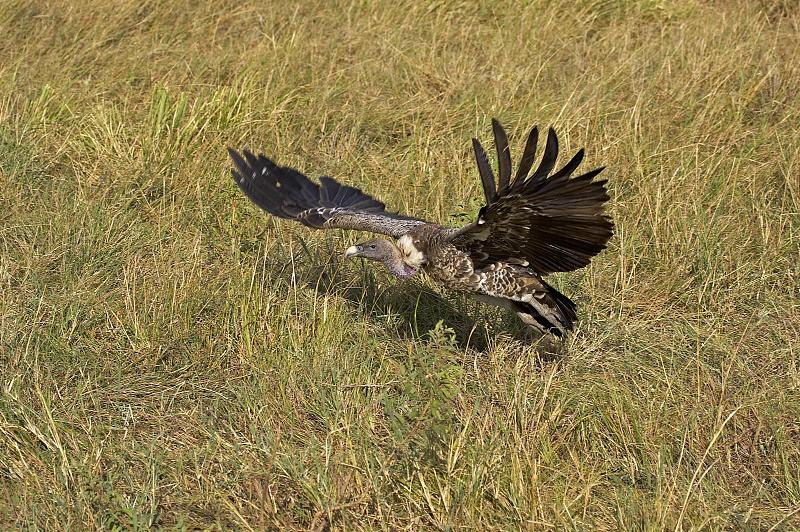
(503, 155)
(485, 171)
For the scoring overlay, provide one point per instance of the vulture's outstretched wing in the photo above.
(554, 222)
(287, 193)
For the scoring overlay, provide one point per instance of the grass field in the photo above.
(172, 357)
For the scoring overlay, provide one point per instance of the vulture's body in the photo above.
(530, 226)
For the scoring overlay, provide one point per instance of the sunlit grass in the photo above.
(172, 357)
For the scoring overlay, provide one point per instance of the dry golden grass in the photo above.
(171, 357)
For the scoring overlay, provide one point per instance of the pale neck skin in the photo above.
(403, 260)
(395, 264)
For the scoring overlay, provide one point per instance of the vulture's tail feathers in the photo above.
(556, 314)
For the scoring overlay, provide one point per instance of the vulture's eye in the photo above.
(372, 246)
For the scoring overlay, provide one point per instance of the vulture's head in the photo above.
(384, 251)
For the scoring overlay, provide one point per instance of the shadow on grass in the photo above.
(418, 309)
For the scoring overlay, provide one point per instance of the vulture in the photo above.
(530, 226)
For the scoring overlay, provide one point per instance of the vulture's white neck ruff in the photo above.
(409, 252)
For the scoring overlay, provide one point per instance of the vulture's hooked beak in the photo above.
(352, 251)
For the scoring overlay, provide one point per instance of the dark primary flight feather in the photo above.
(485, 171)
(287, 193)
(555, 222)
(503, 155)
